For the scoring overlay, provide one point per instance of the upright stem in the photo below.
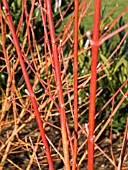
(29, 87)
(75, 66)
(95, 47)
(59, 87)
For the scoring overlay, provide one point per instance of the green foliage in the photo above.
(113, 75)
(116, 74)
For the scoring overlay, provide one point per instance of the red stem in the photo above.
(92, 105)
(59, 87)
(102, 40)
(75, 83)
(29, 87)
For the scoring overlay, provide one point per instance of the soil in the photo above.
(20, 150)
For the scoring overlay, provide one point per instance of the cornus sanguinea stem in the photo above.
(92, 104)
(75, 66)
(29, 87)
(59, 86)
